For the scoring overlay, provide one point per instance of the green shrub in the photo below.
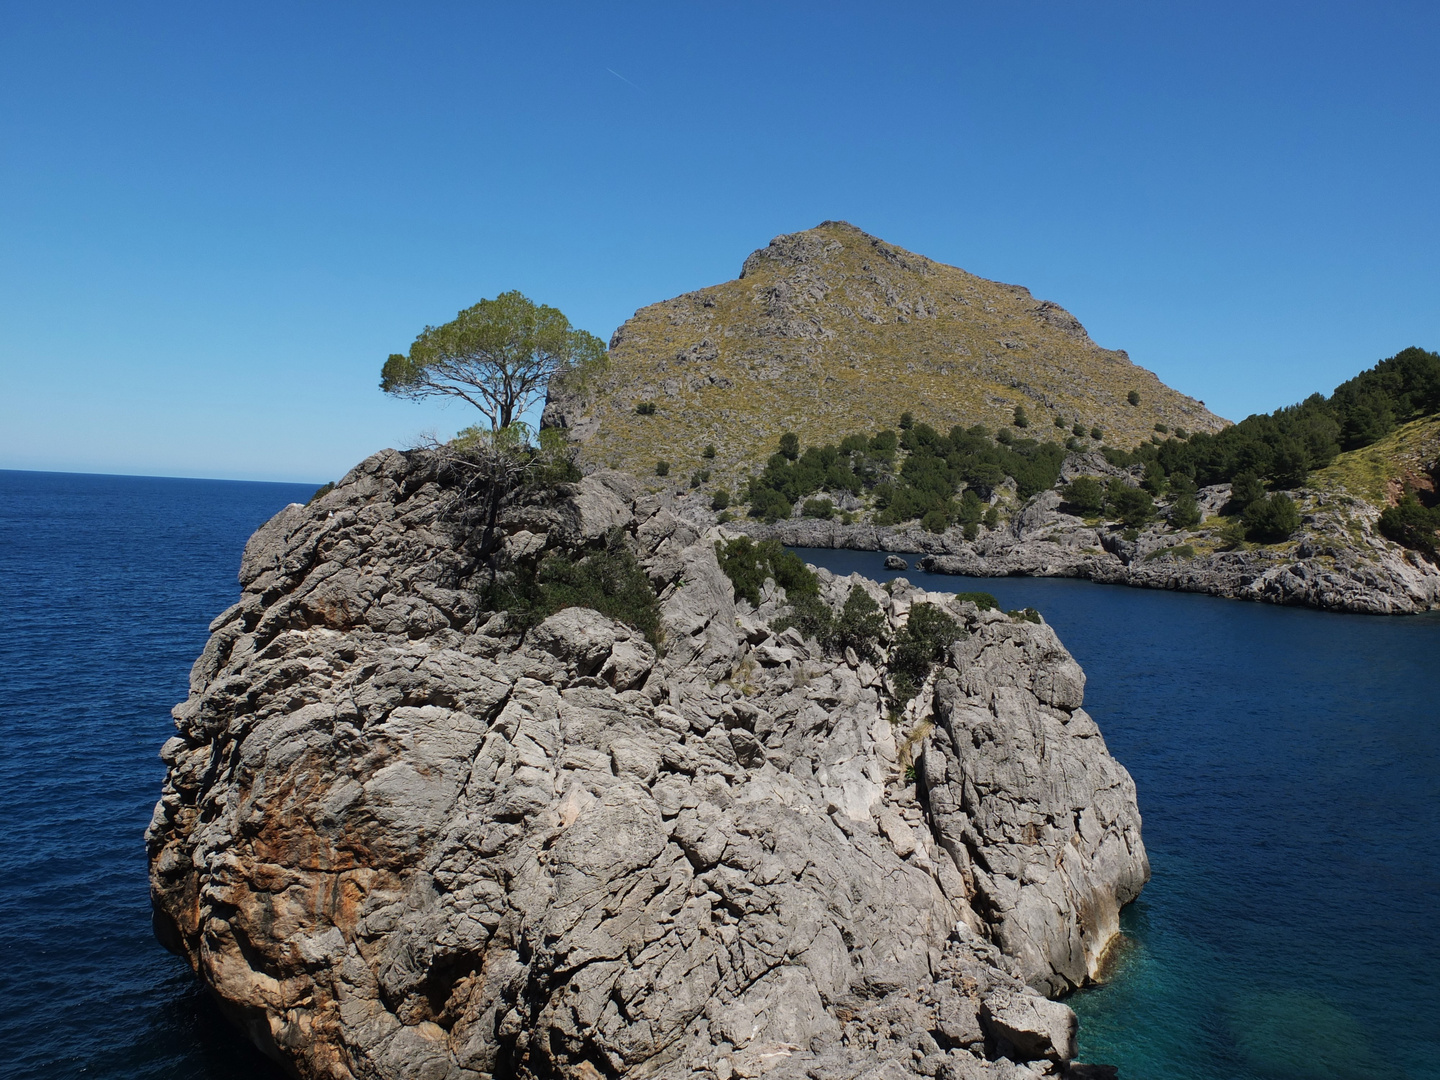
(1289, 465)
(1181, 433)
(1271, 520)
(1133, 397)
(818, 508)
(928, 632)
(983, 600)
(720, 500)
(645, 408)
(992, 518)
(1129, 505)
(935, 466)
(1059, 421)
(1020, 420)
(708, 453)
(724, 516)
(1182, 551)
(1004, 437)
(1097, 433)
(907, 421)
(769, 505)
(790, 445)
(859, 626)
(810, 615)
(1163, 429)
(1231, 535)
(1182, 483)
(1078, 430)
(1245, 489)
(698, 477)
(971, 509)
(662, 468)
(1184, 512)
(1412, 524)
(610, 581)
(1084, 495)
(1154, 480)
(1028, 614)
(748, 565)
(935, 521)
(322, 491)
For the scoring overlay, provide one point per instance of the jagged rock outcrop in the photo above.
(398, 839)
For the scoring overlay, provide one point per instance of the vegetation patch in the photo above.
(1375, 473)
(1412, 524)
(921, 644)
(917, 475)
(748, 565)
(983, 600)
(1281, 448)
(610, 581)
(1271, 520)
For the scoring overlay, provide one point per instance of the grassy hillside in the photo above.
(1404, 460)
(832, 331)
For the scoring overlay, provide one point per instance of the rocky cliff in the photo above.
(827, 329)
(399, 839)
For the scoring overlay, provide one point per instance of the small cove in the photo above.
(1288, 767)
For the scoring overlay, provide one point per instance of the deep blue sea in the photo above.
(1288, 764)
(1288, 768)
(107, 584)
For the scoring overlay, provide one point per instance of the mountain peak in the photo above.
(832, 331)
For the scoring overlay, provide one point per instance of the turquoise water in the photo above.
(1288, 767)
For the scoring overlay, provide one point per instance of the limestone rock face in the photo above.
(1035, 811)
(400, 840)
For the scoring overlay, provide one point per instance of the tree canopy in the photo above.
(498, 355)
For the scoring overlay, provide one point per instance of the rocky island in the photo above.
(404, 834)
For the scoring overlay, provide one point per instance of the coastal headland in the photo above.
(1337, 559)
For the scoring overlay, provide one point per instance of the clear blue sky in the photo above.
(217, 220)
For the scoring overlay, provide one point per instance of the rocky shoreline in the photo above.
(1337, 562)
(398, 838)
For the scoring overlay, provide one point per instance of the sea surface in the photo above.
(107, 584)
(1288, 764)
(1288, 769)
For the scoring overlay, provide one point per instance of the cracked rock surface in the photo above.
(399, 840)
